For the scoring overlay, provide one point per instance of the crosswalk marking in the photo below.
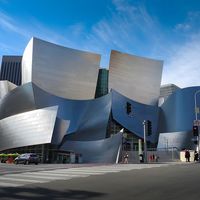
(4, 184)
(53, 174)
(43, 176)
(72, 172)
(33, 176)
(19, 179)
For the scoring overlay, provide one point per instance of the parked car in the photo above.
(27, 158)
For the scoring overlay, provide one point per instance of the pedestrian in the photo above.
(156, 158)
(126, 158)
(196, 156)
(187, 155)
(153, 157)
(141, 158)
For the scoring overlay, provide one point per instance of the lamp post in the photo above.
(196, 117)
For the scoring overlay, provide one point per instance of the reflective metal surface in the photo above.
(88, 118)
(99, 151)
(177, 114)
(5, 88)
(135, 77)
(134, 121)
(60, 130)
(60, 71)
(17, 101)
(179, 140)
(29, 128)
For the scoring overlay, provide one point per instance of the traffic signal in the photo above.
(128, 108)
(149, 128)
(195, 131)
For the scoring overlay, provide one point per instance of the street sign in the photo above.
(196, 123)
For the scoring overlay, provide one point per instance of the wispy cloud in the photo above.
(128, 28)
(8, 24)
(33, 29)
(183, 66)
(125, 26)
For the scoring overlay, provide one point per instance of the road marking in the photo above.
(53, 174)
(33, 176)
(45, 175)
(20, 179)
(71, 172)
(4, 184)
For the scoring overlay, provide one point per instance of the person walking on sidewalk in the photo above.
(126, 158)
(187, 155)
(196, 156)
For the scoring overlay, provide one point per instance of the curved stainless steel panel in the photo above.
(61, 71)
(60, 130)
(179, 140)
(177, 114)
(88, 118)
(5, 88)
(99, 151)
(135, 77)
(17, 101)
(30, 128)
(140, 112)
(178, 111)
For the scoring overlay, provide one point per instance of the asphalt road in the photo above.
(12, 168)
(163, 183)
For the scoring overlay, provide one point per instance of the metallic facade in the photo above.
(23, 99)
(5, 88)
(88, 118)
(61, 71)
(177, 115)
(180, 140)
(40, 118)
(166, 91)
(56, 106)
(135, 77)
(97, 151)
(140, 112)
(29, 128)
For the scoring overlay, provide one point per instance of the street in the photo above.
(134, 182)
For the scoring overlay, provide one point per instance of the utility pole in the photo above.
(145, 142)
(196, 118)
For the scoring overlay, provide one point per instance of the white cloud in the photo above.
(183, 27)
(183, 68)
(8, 24)
(125, 28)
(33, 29)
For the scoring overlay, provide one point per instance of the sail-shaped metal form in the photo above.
(135, 77)
(59, 70)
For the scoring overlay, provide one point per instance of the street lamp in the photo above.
(196, 117)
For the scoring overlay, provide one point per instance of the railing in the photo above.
(171, 154)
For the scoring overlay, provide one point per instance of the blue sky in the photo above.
(167, 30)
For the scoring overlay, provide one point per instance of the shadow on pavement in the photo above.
(42, 193)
